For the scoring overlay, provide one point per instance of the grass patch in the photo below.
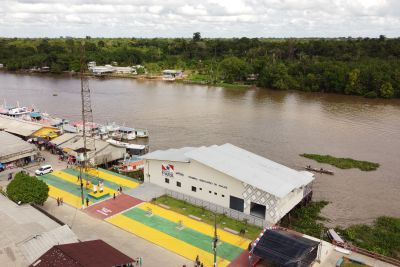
(382, 237)
(207, 216)
(343, 163)
(196, 77)
(307, 219)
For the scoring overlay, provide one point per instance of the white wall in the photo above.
(206, 179)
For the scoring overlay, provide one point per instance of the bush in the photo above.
(371, 94)
(27, 189)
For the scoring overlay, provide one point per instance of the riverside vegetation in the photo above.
(357, 66)
(343, 163)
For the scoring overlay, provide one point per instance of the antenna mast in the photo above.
(87, 122)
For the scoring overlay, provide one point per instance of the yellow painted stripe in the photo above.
(68, 198)
(196, 225)
(166, 241)
(112, 178)
(73, 179)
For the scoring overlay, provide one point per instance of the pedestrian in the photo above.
(61, 200)
(9, 176)
(120, 189)
(58, 201)
(114, 196)
(87, 201)
(77, 178)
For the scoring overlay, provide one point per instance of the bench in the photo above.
(164, 206)
(194, 217)
(231, 231)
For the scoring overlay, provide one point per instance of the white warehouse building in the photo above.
(231, 177)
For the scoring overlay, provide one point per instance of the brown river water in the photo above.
(277, 125)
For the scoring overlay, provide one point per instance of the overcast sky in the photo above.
(213, 18)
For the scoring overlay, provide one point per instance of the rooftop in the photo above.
(242, 165)
(96, 253)
(13, 148)
(20, 127)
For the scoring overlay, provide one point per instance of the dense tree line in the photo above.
(359, 66)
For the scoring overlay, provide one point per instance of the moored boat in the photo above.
(321, 170)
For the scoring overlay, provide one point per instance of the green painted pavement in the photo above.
(65, 186)
(94, 179)
(188, 235)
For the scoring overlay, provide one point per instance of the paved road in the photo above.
(89, 228)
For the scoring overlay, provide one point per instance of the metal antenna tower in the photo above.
(88, 150)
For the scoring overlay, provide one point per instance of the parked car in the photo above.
(44, 169)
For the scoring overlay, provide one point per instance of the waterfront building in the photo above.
(15, 151)
(231, 177)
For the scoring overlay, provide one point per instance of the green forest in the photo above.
(354, 66)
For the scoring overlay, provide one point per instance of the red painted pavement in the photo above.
(109, 207)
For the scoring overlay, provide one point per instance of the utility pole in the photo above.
(215, 240)
(87, 121)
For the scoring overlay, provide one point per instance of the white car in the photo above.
(44, 169)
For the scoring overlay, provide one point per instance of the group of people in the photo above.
(60, 201)
(197, 262)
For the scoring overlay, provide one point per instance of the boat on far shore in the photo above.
(320, 170)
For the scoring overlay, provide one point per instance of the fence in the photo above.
(234, 214)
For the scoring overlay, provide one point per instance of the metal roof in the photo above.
(13, 148)
(96, 253)
(63, 138)
(38, 244)
(20, 127)
(242, 165)
(170, 154)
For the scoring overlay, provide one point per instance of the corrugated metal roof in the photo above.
(170, 154)
(20, 127)
(250, 168)
(242, 165)
(63, 138)
(38, 244)
(96, 253)
(13, 148)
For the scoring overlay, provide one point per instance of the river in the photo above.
(277, 125)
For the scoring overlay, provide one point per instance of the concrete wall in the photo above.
(216, 187)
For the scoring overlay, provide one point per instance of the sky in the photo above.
(212, 18)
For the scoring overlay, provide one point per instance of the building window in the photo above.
(201, 189)
(194, 188)
(209, 192)
(223, 195)
(215, 193)
(167, 180)
(178, 184)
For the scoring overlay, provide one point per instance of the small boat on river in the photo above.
(321, 170)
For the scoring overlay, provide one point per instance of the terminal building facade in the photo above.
(230, 177)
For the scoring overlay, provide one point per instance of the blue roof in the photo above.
(35, 114)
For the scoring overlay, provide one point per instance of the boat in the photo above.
(321, 170)
(142, 133)
(124, 133)
(132, 149)
(117, 143)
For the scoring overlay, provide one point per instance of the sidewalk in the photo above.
(89, 228)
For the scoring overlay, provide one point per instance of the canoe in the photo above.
(321, 170)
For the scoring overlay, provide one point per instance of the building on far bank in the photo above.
(230, 177)
(170, 75)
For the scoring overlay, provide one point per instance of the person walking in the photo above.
(87, 201)
(58, 201)
(114, 196)
(61, 201)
